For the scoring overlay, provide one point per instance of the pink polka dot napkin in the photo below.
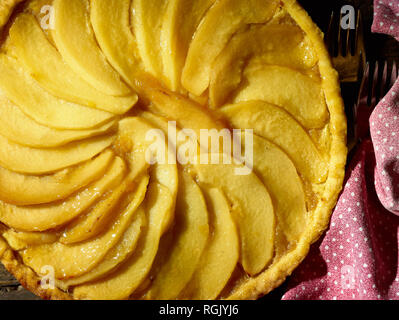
(358, 256)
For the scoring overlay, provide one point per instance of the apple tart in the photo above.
(84, 82)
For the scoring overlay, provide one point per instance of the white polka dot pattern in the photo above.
(358, 257)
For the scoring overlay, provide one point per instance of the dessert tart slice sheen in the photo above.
(83, 82)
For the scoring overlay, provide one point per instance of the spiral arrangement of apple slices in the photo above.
(76, 103)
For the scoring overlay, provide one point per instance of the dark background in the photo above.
(378, 47)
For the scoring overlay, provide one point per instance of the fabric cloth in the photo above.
(358, 256)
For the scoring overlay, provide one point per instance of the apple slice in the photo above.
(134, 131)
(53, 215)
(252, 210)
(19, 128)
(167, 176)
(223, 20)
(96, 220)
(300, 95)
(125, 280)
(221, 254)
(147, 17)
(44, 108)
(187, 113)
(111, 23)
(281, 179)
(165, 173)
(133, 141)
(22, 240)
(7, 8)
(277, 126)
(43, 161)
(25, 190)
(76, 42)
(35, 7)
(180, 22)
(119, 253)
(68, 260)
(45, 64)
(190, 235)
(272, 44)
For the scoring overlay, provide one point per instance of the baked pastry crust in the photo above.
(278, 271)
(25, 275)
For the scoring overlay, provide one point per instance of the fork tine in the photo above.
(359, 39)
(347, 44)
(352, 36)
(357, 35)
(330, 35)
(346, 48)
(373, 98)
(384, 82)
(364, 87)
(340, 31)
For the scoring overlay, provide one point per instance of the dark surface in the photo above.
(10, 288)
(378, 47)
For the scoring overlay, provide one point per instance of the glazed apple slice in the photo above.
(125, 280)
(68, 260)
(21, 240)
(44, 161)
(95, 221)
(119, 253)
(19, 128)
(133, 139)
(167, 176)
(277, 126)
(45, 64)
(147, 16)
(20, 189)
(136, 131)
(76, 42)
(180, 22)
(302, 96)
(281, 179)
(56, 214)
(111, 24)
(39, 105)
(252, 210)
(176, 107)
(223, 20)
(174, 271)
(165, 173)
(221, 254)
(125, 248)
(272, 44)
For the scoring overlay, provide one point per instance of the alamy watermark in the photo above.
(211, 147)
(348, 17)
(47, 281)
(47, 21)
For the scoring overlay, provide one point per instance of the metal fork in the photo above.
(376, 82)
(346, 48)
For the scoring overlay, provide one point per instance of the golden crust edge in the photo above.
(275, 275)
(26, 276)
